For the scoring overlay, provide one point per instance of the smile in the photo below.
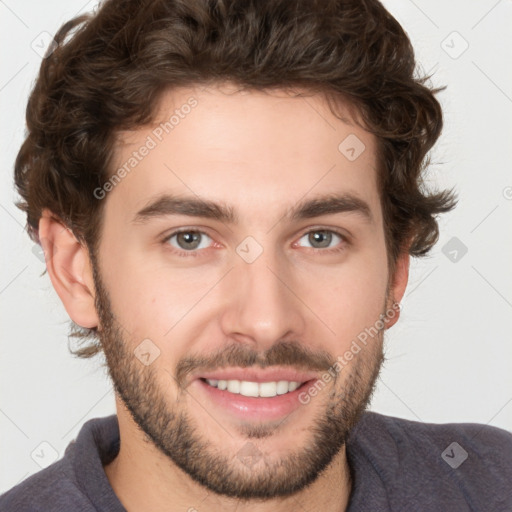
(255, 389)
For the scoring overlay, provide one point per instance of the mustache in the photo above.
(282, 354)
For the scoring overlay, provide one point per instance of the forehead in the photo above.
(254, 149)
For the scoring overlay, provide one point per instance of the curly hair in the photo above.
(109, 70)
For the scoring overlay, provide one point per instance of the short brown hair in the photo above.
(110, 69)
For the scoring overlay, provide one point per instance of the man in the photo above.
(228, 196)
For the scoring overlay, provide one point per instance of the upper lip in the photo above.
(274, 374)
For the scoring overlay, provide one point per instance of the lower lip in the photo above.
(254, 408)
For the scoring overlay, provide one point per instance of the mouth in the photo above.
(255, 389)
(254, 395)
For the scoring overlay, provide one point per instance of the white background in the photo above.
(450, 355)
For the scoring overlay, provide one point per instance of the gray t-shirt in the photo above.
(396, 464)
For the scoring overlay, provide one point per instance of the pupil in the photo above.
(189, 237)
(319, 235)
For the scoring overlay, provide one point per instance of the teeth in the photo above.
(282, 387)
(233, 386)
(255, 389)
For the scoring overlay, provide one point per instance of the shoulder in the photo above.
(459, 462)
(485, 446)
(48, 489)
(74, 481)
(476, 435)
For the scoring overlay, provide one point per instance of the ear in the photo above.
(70, 270)
(398, 285)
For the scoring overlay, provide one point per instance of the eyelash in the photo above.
(196, 253)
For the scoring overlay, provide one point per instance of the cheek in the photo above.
(354, 298)
(154, 301)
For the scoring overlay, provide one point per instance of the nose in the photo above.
(265, 304)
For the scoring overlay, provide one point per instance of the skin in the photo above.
(261, 154)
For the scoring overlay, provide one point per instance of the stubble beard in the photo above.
(172, 431)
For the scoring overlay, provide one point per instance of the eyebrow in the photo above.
(165, 205)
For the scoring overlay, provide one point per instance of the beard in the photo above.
(246, 475)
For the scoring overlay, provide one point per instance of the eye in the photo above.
(188, 240)
(323, 238)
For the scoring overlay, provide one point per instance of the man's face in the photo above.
(263, 297)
